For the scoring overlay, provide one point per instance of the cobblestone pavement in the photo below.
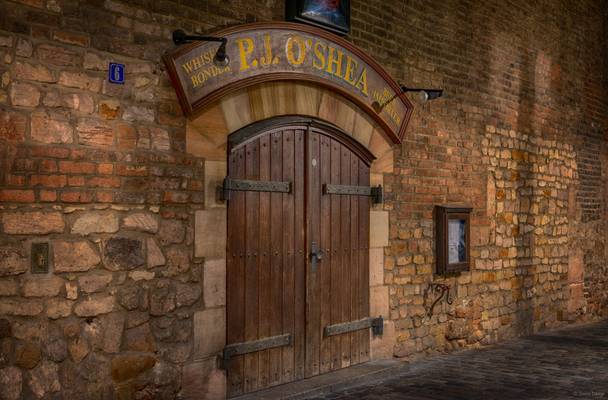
(570, 363)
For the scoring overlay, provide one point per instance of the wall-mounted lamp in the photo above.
(221, 59)
(425, 95)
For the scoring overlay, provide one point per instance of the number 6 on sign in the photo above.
(116, 73)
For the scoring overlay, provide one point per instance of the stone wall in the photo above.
(519, 137)
(100, 172)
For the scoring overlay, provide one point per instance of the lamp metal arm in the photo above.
(180, 37)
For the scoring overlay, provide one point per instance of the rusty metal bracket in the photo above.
(377, 325)
(375, 192)
(244, 185)
(439, 289)
(237, 349)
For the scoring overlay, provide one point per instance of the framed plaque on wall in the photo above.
(333, 15)
(452, 239)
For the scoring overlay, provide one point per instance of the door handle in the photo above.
(316, 255)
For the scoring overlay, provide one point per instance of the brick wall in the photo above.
(100, 172)
(518, 136)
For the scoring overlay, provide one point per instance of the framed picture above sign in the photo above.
(452, 239)
(333, 15)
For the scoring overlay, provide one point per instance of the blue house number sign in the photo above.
(116, 73)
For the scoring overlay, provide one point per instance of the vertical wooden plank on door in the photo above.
(345, 249)
(363, 246)
(235, 277)
(276, 257)
(266, 302)
(300, 262)
(252, 200)
(287, 253)
(336, 255)
(312, 298)
(355, 267)
(325, 269)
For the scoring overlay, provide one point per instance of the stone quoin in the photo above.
(205, 230)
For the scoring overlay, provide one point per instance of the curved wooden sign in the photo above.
(265, 52)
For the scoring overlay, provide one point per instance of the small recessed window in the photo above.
(452, 239)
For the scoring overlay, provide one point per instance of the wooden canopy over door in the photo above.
(285, 306)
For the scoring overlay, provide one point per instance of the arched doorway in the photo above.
(297, 252)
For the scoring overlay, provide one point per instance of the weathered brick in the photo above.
(47, 166)
(127, 137)
(48, 129)
(24, 47)
(176, 197)
(92, 132)
(138, 113)
(30, 72)
(74, 256)
(16, 196)
(78, 39)
(42, 286)
(48, 195)
(54, 181)
(57, 55)
(80, 80)
(48, 151)
(94, 61)
(159, 138)
(76, 180)
(109, 109)
(6, 41)
(32, 223)
(94, 306)
(105, 169)
(82, 102)
(104, 197)
(25, 95)
(12, 126)
(95, 222)
(131, 170)
(76, 196)
(20, 307)
(104, 182)
(12, 261)
(72, 167)
(15, 180)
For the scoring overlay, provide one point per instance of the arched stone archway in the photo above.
(207, 137)
(207, 134)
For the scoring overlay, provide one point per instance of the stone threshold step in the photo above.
(343, 379)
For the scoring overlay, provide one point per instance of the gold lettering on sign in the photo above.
(362, 82)
(267, 58)
(332, 62)
(319, 61)
(198, 62)
(385, 100)
(351, 67)
(260, 55)
(201, 77)
(297, 40)
(245, 49)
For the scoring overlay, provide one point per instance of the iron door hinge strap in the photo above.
(238, 349)
(377, 325)
(375, 192)
(244, 185)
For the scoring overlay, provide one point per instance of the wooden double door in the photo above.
(297, 253)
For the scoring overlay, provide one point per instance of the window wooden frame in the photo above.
(443, 214)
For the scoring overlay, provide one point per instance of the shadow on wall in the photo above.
(523, 234)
